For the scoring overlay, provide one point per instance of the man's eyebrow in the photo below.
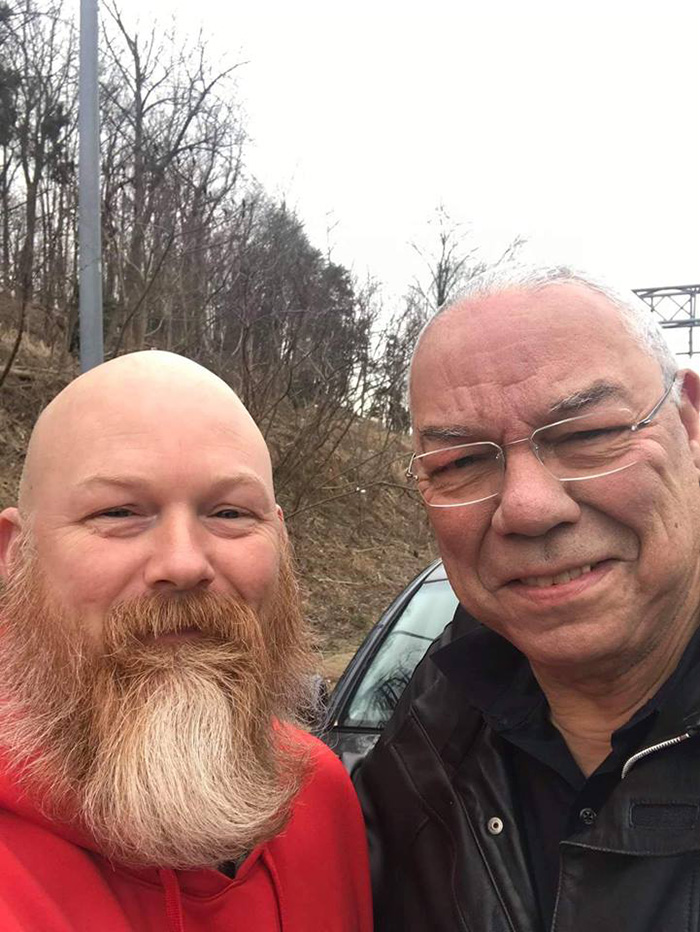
(593, 394)
(449, 433)
(99, 479)
(569, 405)
(129, 481)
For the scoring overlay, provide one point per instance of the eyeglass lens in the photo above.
(577, 448)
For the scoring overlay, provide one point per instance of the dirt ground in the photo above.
(354, 554)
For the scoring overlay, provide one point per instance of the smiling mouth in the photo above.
(559, 579)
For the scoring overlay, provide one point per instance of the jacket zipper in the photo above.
(669, 742)
(629, 764)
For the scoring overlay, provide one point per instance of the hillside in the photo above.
(356, 549)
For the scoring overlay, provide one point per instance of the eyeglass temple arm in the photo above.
(655, 410)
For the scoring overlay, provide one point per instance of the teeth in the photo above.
(559, 580)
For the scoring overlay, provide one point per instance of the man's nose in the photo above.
(532, 500)
(179, 557)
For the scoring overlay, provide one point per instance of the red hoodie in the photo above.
(313, 877)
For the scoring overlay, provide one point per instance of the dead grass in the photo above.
(356, 553)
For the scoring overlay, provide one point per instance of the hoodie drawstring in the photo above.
(173, 901)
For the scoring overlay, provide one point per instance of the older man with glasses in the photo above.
(543, 768)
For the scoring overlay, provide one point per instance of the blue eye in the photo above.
(230, 514)
(116, 513)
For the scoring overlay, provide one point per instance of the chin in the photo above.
(577, 647)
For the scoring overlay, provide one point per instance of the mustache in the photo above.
(218, 617)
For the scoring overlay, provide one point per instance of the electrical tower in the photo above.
(675, 307)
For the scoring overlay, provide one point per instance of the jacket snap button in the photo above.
(495, 826)
(588, 816)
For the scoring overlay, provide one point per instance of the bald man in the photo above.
(153, 660)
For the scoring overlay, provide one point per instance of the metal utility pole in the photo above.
(89, 222)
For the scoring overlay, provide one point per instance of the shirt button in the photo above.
(588, 816)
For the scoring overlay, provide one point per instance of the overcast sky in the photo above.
(576, 125)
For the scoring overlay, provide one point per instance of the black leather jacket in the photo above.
(447, 854)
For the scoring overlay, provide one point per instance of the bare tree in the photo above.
(168, 133)
(38, 51)
(451, 260)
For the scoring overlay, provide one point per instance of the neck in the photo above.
(587, 708)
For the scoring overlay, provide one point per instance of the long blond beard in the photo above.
(171, 753)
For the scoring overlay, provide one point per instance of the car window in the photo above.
(386, 676)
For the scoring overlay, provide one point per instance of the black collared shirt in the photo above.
(554, 798)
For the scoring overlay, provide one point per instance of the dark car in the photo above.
(367, 692)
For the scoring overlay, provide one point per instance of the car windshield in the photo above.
(423, 619)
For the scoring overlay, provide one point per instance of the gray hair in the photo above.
(635, 316)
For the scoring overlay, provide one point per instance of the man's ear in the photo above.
(10, 530)
(284, 534)
(689, 408)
